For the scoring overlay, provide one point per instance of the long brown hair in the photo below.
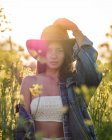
(67, 66)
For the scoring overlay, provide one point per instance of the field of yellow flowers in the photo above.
(12, 71)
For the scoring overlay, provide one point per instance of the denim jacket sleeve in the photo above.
(86, 68)
(25, 126)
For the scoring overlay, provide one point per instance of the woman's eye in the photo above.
(60, 50)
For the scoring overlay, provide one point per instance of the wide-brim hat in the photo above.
(50, 34)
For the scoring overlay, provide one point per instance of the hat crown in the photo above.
(54, 32)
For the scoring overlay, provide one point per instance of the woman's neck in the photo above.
(52, 73)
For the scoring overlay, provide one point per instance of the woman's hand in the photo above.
(66, 24)
(69, 25)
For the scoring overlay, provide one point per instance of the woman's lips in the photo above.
(53, 62)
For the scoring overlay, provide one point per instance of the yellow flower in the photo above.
(38, 135)
(88, 122)
(76, 90)
(33, 53)
(36, 89)
(41, 59)
(64, 109)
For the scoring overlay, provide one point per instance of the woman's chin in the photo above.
(54, 67)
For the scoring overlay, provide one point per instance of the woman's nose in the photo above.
(54, 54)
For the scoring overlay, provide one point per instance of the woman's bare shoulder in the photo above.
(32, 79)
(28, 78)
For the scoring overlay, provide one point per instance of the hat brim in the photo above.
(35, 46)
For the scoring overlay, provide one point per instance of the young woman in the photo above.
(58, 79)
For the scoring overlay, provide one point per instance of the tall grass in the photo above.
(11, 73)
(9, 92)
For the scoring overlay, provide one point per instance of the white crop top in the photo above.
(49, 108)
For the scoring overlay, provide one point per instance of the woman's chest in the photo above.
(47, 87)
(51, 89)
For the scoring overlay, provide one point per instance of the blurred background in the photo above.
(21, 20)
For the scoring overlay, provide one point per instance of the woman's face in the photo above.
(55, 55)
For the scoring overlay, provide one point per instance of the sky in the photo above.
(30, 17)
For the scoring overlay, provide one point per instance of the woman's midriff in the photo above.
(50, 129)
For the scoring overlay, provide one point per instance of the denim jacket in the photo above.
(74, 126)
(25, 127)
(86, 74)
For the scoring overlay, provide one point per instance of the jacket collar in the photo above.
(68, 82)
